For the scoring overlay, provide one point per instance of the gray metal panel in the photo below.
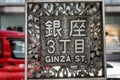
(96, 24)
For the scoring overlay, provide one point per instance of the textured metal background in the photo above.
(65, 32)
(96, 65)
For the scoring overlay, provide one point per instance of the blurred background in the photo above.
(12, 17)
(12, 14)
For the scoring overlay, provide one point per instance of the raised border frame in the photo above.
(103, 21)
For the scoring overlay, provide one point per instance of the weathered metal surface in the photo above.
(65, 29)
(65, 40)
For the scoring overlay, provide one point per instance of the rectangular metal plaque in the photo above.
(65, 39)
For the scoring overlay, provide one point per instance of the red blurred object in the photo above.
(11, 68)
(11, 34)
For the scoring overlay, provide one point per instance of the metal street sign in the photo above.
(65, 39)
